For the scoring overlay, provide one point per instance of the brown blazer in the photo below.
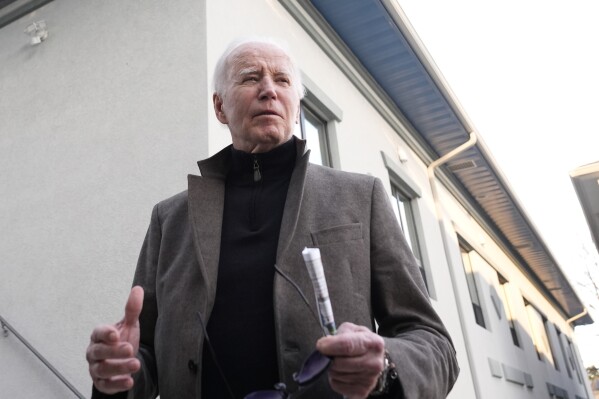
(370, 272)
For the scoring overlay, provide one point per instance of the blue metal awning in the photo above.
(387, 52)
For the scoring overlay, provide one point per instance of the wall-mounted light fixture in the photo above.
(37, 31)
(402, 155)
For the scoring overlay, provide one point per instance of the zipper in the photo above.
(257, 186)
(257, 174)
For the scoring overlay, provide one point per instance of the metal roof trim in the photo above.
(433, 140)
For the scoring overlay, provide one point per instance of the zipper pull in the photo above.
(257, 174)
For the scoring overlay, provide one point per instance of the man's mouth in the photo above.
(266, 113)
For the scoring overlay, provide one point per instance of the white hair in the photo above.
(223, 65)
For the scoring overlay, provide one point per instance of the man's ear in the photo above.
(299, 112)
(218, 109)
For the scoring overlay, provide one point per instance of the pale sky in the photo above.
(526, 72)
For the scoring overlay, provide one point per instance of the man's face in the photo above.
(260, 104)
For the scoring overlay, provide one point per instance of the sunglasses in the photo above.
(312, 368)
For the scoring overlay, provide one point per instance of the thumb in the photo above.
(133, 306)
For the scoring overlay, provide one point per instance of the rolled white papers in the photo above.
(314, 266)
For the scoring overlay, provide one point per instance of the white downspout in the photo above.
(431, 177)
(578, 316)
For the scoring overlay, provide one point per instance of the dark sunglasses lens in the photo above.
(266, 395)
(312, 368)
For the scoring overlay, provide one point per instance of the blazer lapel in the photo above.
(206, 199)
(293, 202)
(206, 202)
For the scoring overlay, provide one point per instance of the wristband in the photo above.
(386, 377)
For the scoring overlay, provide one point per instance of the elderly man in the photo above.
(221, 304)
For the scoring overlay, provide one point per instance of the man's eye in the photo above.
(283, 80)
(250, 79)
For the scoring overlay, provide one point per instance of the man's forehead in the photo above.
(251, 58)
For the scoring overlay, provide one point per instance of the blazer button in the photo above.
(192, 366)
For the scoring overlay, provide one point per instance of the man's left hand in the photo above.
(358, 359)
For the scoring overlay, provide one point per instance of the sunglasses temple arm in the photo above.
(213, 353)
(299, 290)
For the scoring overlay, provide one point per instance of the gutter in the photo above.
(431, 177)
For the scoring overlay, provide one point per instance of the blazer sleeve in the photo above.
(414, 335)
(145, 380)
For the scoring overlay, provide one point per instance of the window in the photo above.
(403, 208)
(547, 326)
(318, 117)
(573, 361)
(560, 340)
(472, 286)
(314, 130)
(505, 297)
(404, 201)
(539, 333)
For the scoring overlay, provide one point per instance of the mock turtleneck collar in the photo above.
(275, 164)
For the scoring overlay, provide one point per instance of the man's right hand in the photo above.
(112, 350)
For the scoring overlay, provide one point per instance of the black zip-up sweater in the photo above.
(241, 326)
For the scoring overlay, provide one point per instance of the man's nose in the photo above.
(268, 89)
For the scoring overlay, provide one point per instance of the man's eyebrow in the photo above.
(283, 72)
(251, 70)
(248, 71)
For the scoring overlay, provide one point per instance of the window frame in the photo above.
(404, 208)
(574, 361)
(540, 334)
(560, 341)
(474, 290)
(552, 349)
(509, 315)
(321, 107)
(308, 115)
(402, 185)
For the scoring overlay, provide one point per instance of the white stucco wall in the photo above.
(494, 341)
(97, 123)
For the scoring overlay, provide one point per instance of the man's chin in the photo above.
(266, 141)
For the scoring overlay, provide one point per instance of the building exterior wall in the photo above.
(493, 344)
(109, 115)
(97, 123)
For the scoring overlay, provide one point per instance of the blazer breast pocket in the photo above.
(332, 235)
(346, 267)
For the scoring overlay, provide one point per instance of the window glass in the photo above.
(573, 362)
(547, 326)
(560, 340)
(403, 209)
(314, 130)
(472, 288)
(505, 297)
(539, 333)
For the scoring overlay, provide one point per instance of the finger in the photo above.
(367, 365)
(100, 351)
(114, 385)
(113, 368)
(352, 343)
(105, 333)
(134, 306)
(347, 327)
(351, 379)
